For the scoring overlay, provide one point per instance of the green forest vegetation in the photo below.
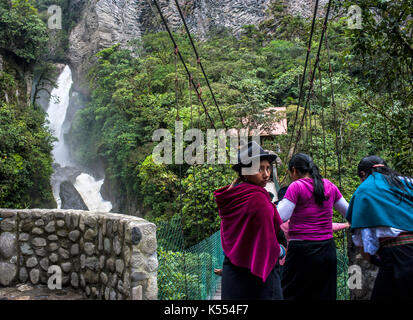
(25, 140)
(133, 93)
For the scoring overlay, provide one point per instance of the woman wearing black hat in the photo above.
(249, 224)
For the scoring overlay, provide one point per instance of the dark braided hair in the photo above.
(371, 164)
(304, 164)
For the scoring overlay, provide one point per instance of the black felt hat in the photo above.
(251, 151)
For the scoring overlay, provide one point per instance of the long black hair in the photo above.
(304, 164)
(371, 164)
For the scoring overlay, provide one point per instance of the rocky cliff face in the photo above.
(104, 23)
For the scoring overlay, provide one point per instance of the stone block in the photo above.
(138, 260)
(91, 277)
(152, 263)
(39, 242)
(89, 248)
(50, 227)
(31, 262)
(7, 214)
(40, 252)
(8, 272)
(74, 249)
(64, 253)
(74, 279)
(60, 223)
(110, 264)
(74, 235)
(90, 221)
(44, 263)
(151, 292)
(52, 237)
(120, 266)
(53, 246)
(54, 258)
(8, 246)
(39, 223)
(26, 249)
(107, 245)
(66, 266)
(75, 220)
(90, 234)
(23, 275)
(104, 278)
(34, 276)
(37, 231)
(62, 233)
(8, 225)
(148, 244)
(92, 263)
(137, 293)
(136, 236)
(24, 237)
(117, 245)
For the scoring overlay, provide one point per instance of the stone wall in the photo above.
(368, 272)
(109, 256)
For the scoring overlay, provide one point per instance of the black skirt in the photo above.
(310, 271)
(395, 277)
(240, 284)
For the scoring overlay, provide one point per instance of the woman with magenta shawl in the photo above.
(249, 224)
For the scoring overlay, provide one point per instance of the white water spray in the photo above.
(86, 185)
(89, 189)
(57, 114)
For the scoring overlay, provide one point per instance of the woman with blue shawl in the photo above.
(381, 216)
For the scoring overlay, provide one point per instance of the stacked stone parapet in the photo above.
(109, 256)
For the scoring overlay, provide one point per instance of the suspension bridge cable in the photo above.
(333, 103)
(312, 75)
(323, 123)
(302, 82)
(200, 63)
(338, 150)
(199, 92)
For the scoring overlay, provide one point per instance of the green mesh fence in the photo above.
(343, 292)
(189, 274)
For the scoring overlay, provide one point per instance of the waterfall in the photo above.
(57, 114)
(85, 184)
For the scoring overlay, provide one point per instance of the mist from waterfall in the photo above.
(85, 184)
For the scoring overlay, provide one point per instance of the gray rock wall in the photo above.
(109, 256)
(104, 23)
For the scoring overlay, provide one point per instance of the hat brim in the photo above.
(270, 157)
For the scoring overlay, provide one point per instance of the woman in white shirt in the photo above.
(381, 215)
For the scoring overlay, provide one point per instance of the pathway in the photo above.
(39, 292)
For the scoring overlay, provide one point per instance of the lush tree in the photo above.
(381, 58)
(21, 30)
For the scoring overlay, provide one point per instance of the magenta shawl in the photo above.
(249, 224)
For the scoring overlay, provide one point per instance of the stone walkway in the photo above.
(39, 292)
